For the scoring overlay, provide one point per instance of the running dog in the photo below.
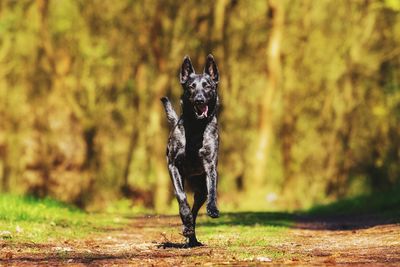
(192, 150)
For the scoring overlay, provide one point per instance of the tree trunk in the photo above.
(265, 125)
(161, 195)
(132, 141)
(4, 169)
(288, 129)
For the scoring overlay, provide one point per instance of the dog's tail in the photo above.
(172, 117)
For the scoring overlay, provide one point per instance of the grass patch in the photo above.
(258, 232)
(28, 219)
(386, 203)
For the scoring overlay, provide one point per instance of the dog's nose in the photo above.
(199, 101)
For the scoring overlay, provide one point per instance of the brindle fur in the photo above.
(193, 144)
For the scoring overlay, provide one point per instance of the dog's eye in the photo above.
(206, 85)
(192, 86)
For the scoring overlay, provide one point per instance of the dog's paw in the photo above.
(195, 243)
(188, 231)
(212, 211)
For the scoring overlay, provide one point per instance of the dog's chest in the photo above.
(193, 163)
(193, 166)
(194, 138)
(193, 143)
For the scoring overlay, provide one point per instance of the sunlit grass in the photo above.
(16, 209)
(29, 219)
(259, 233)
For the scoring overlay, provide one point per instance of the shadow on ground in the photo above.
(364, 211)
(98, 258)
(304, 221)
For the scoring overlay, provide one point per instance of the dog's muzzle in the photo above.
(201, 110)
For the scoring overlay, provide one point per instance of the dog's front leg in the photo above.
(212, 177)
(208, 154)
(184, 209)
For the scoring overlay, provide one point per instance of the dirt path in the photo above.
(316, 241)
(352, 241)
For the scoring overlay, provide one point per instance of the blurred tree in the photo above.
(310, 97)
(270, 94)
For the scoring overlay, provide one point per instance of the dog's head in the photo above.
(200, 90)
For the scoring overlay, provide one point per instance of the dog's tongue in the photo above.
(203, 110)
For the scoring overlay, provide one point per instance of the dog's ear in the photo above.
(211, 68)
(186, 70)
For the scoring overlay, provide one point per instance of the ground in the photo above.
(247, 238)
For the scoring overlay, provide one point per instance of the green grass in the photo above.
(386, 203)
(258, 232)
(28, 219)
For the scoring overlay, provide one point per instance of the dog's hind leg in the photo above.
(172, 117)
(200, 196)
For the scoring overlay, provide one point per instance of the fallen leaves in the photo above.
(62, 249)
(263, 259)
(5, 234)
(8, 255)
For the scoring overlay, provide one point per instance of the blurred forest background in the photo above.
(310, 98)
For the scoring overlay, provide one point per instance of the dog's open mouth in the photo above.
(201, 110)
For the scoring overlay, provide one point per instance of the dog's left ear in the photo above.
(211, 68)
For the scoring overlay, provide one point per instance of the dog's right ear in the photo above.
(186, 70)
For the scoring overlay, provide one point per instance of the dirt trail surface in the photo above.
(154, 240)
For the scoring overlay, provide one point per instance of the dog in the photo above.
(192, 150)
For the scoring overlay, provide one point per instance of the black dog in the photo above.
(193, 143)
